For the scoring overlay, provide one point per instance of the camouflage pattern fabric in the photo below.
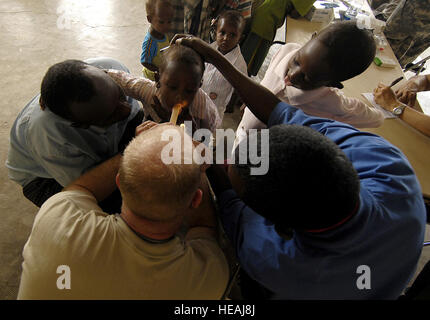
(185, 12)
(408, 28)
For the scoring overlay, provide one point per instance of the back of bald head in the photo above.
(149, 187)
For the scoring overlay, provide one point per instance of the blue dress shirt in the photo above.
(385, 235)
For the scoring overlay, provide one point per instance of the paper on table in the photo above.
(369, 97)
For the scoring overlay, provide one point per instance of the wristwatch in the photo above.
(399, 110)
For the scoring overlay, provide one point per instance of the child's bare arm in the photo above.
(385, 97)
(135, 87)
(258, 98)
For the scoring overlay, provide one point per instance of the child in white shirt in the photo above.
(229, 27)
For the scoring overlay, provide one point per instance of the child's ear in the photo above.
(149, 19)
(117, 180)
(201, 83)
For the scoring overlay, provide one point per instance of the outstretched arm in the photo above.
(259, 99)
(136, 87)
(408, 92)
(386, 98)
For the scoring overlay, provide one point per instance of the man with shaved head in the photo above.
(76, 251)
(80, 118)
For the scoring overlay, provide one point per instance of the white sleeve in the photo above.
(249, 121)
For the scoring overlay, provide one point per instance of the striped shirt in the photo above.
(178, 17)
(151, 53)
(185, 11)
(243, 6)
(202, 110)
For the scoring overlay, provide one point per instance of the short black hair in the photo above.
(233, 16)
(182, 54)
(351, 49)
(63, 83)
(310, 184)
(151, 6)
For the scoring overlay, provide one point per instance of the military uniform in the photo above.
(408, 27)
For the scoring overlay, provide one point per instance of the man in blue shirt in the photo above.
(80, 118)
(339, 214)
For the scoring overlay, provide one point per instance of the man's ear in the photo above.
(149, 18)
(197, 199)
(41, 103)
(201, 83)
(117, 180)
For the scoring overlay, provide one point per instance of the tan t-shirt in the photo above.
(73, 244)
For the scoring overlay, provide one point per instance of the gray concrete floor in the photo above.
(33, 36)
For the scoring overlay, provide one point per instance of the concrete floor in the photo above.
(34, 35)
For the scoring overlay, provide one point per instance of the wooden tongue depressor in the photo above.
(177, 108)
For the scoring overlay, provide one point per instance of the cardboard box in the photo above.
(321, 11)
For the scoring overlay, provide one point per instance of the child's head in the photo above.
(180, 75)
(339, 52)
(229, 28)
(159, 14)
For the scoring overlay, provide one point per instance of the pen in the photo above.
(396, 81)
